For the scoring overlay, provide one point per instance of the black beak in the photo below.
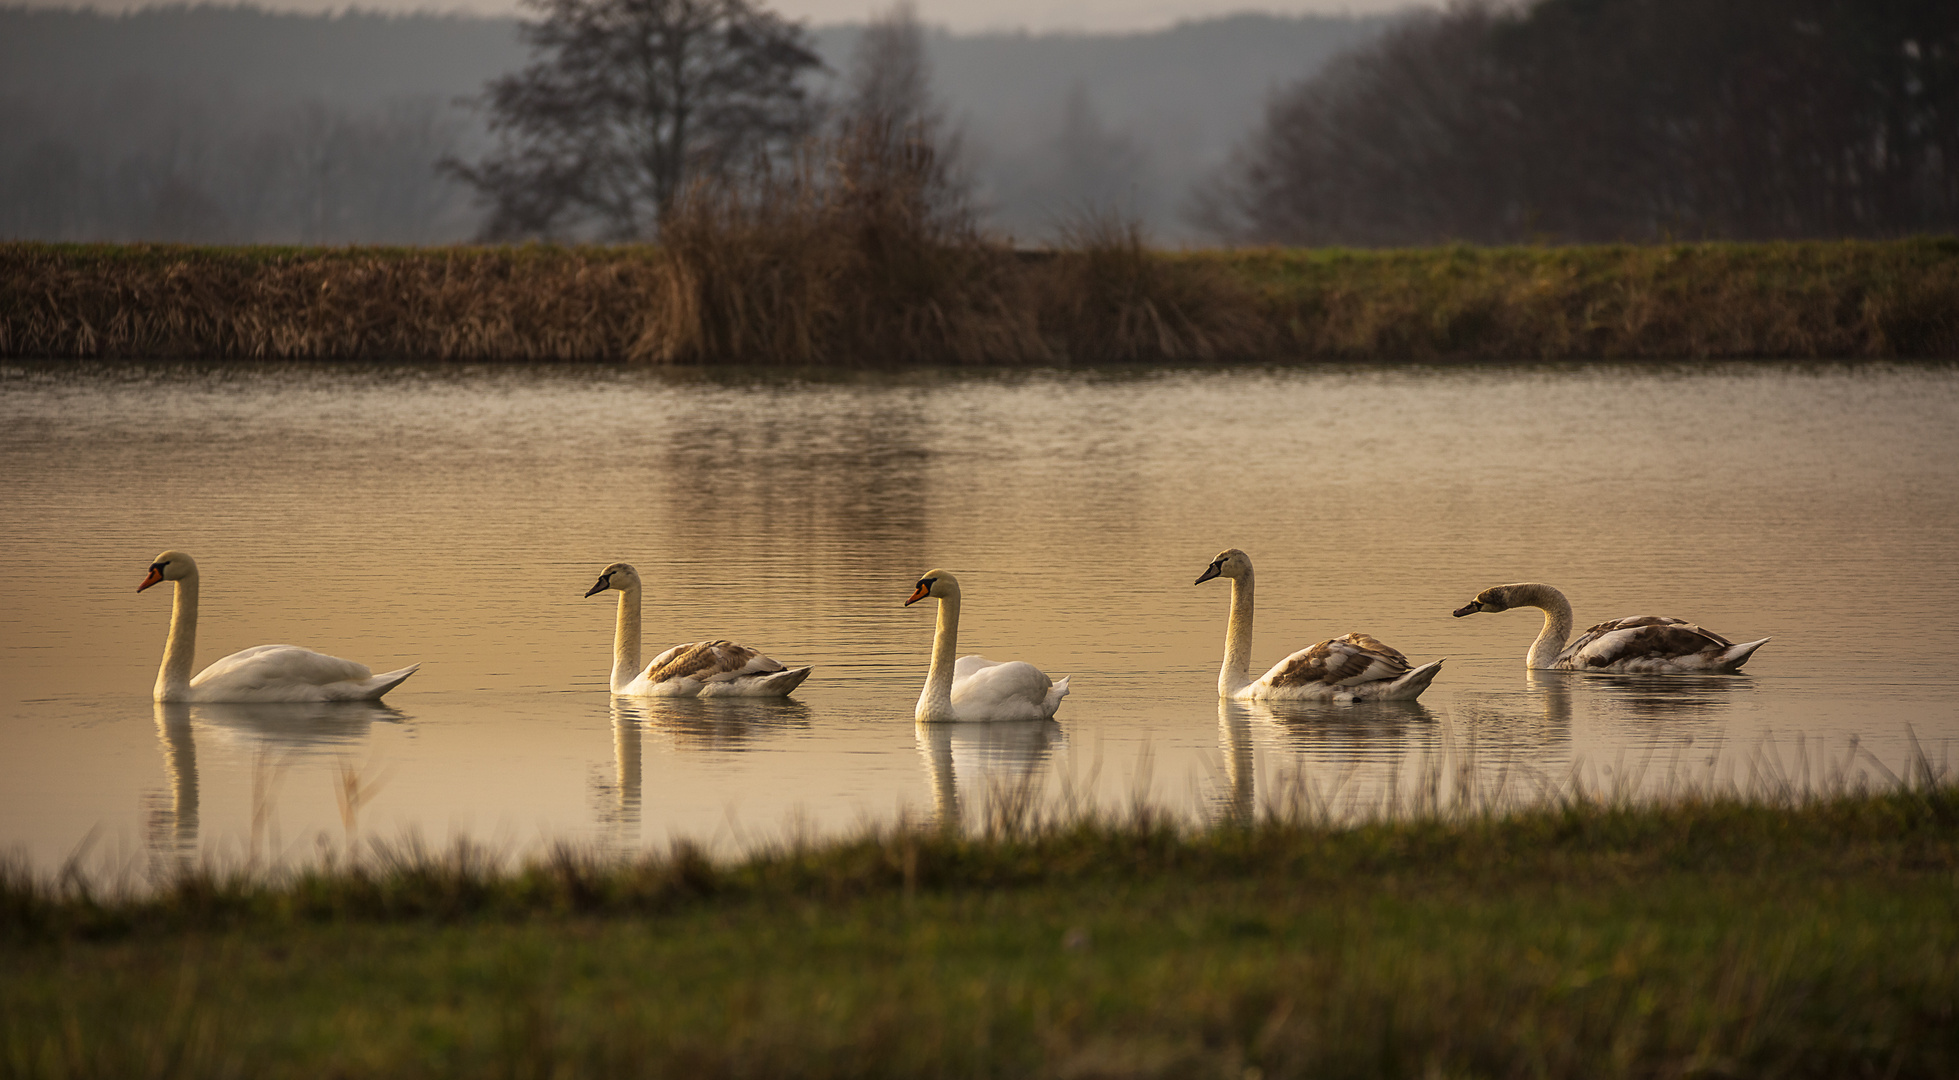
(604, 583)
(1207, 575)
(1470, 608)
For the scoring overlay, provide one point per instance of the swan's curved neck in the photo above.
(625, 640)
(1557, 625)
(173, 678)
(1237, 670)
(935, 702)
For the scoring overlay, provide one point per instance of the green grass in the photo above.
(1708, 936)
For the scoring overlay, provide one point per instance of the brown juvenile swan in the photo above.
(1635, 645)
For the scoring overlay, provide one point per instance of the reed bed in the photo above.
(822, 273)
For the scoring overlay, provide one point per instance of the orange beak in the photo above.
(156, 575)
(924, 590)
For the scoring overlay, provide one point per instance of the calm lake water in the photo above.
(455, 516)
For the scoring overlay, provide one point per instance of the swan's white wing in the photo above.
(967, 665)
(266, 665)
(708, 661)
(1348, 660)
(1010, 690)
(1651, 638)
(288, 673)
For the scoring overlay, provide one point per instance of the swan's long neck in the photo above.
(1237, 670)
(1557, 626)
(173, 678)
(625, 640)
(935, 703)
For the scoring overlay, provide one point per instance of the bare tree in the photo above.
(625, 101)
(890, 114)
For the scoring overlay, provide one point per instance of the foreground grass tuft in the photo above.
(1708, 935)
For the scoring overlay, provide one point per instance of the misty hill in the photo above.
(237, 124)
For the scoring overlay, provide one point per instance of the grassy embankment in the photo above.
(805, 290)
(1705, 937)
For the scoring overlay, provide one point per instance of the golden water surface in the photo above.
(455, 517)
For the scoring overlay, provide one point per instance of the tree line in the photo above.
(1608, 120)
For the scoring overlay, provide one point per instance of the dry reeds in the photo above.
(853, 254)
(157, 301)
(846, 258)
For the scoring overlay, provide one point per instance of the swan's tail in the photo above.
(1734, 656)
(1410, 686)
(373, 687)
(782, 682)
(1053, 701)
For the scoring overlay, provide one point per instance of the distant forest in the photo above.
(238, 125)
(1499, 122)
(1602, 120)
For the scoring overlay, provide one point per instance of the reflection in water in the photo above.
(725, 725)
(295, 725)
(173, 832)
(691, 725)
(618, 809)
(283, 728)
(1001, 760)
(1238, 801)
(1363, 728)
(1553, 688)
(1344, 757)
(1672, 697)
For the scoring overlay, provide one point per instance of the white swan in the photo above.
(1355, 667)
(702, 669)
(973, 687)
(1636, 645)
(264, 673)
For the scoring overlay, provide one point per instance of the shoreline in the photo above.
(1768, 934)
(1115, 303)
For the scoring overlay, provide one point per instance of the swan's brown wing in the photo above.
(709, 661)
(1343, 661)
(1640, 637)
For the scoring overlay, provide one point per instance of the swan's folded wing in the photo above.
(987, 682)
(264, 664)
(966, 666)
(1640, 636)
(709, 661)
(1343, 661)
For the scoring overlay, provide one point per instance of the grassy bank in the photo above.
(806, 289)
(1706, 937)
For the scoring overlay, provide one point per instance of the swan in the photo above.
(1636, 645)
(263, 673)
(702, 669)
(975, 688)
(1355, 667)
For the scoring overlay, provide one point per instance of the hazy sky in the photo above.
(958, 15)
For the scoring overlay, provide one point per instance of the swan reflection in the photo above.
(283, 728)
(1318, 726)
(1238, 801)
(714, 723)
(1000, 760)
(1670, 697)
(619, 804)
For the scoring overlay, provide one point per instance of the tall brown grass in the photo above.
(847, 258)
(854, 253)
